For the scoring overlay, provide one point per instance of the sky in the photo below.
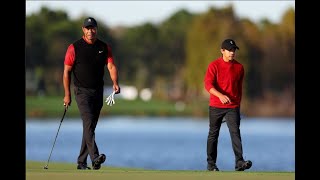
(132, 13)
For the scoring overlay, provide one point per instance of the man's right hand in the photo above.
(224, 99)
(67, 101)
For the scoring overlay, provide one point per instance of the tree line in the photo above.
(171, 57)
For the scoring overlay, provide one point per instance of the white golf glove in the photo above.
(110, 99)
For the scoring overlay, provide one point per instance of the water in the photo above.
(165, 143)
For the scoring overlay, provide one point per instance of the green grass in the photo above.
(67, 171)
(52, 106)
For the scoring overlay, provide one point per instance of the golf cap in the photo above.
(229, 44)
(90, 22)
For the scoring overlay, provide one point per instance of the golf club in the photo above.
(64, 113)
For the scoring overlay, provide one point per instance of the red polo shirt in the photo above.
(227, 78)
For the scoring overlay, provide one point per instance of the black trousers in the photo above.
(232, 117)
(90, 102)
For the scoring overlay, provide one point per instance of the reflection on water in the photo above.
(165, 143)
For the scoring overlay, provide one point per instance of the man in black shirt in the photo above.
(86, 59)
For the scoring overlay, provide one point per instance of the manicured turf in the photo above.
(67, 171)
(52, 106)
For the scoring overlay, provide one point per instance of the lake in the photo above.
(165, 143)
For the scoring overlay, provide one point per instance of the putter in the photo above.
(64, 113)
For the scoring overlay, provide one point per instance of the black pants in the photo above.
(89, 102)
(232, 117)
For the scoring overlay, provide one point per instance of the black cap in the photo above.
(90, 22)
(229, 44)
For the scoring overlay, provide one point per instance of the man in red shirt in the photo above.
(223, 80)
